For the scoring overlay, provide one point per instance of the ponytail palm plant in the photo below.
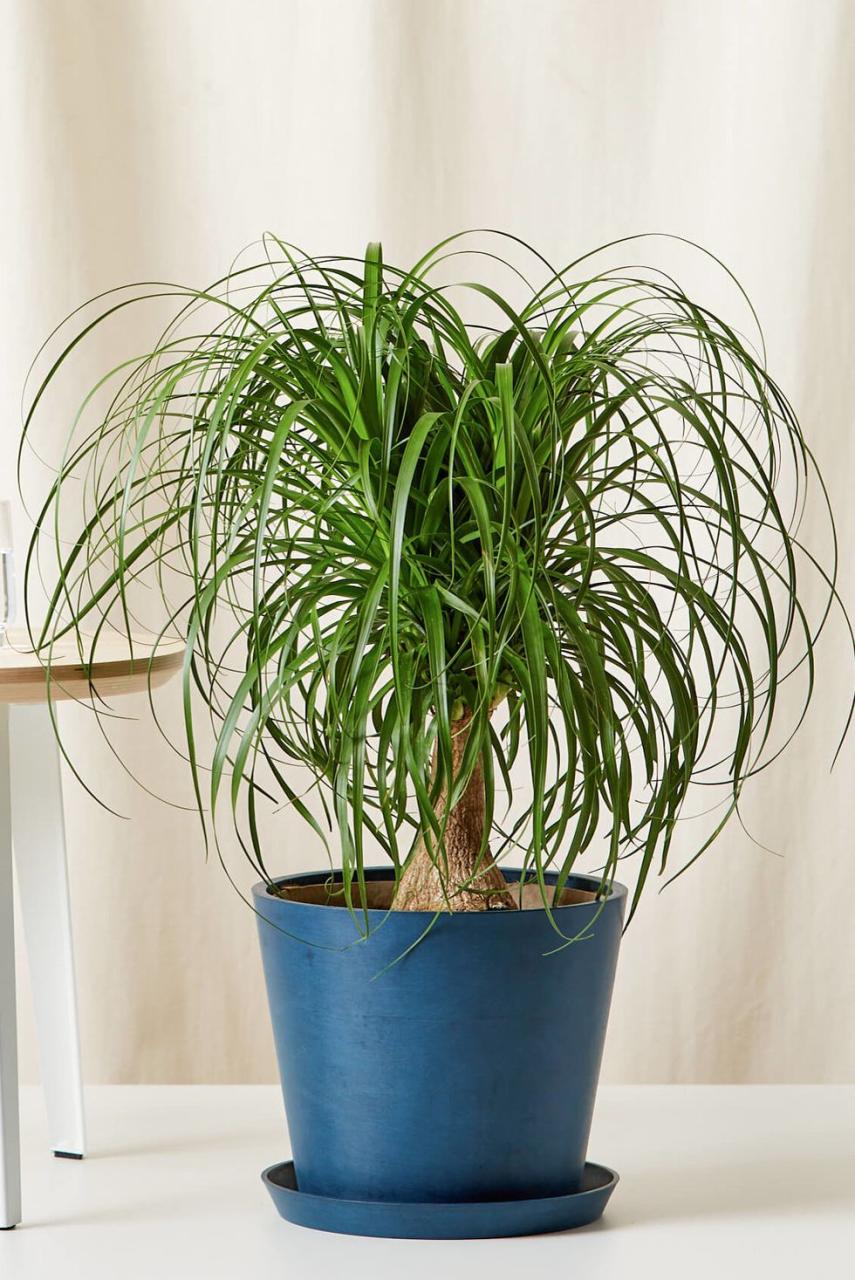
(506, 577)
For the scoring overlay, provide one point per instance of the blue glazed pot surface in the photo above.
(465, 1071)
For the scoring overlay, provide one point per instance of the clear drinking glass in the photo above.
(7, 571)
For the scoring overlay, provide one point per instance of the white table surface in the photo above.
(715, 1182)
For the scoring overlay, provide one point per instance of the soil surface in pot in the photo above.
(379, 895)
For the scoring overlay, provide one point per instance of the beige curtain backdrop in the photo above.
(154, 139)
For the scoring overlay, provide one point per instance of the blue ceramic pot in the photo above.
(466, 1071)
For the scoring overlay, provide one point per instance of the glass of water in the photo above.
(7, 571)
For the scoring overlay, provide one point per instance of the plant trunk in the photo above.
(450, 883)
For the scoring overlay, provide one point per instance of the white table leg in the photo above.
(38, 830)
(10, 1140)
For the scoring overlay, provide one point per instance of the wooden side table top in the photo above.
(23, 677)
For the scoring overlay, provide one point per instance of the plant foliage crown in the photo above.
(564, 523)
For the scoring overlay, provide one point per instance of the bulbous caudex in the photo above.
(458, 874)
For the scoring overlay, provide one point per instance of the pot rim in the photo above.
(577, 880)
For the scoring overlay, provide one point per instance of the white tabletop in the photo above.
(715, 1182)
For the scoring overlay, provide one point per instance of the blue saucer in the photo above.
(440, 1221)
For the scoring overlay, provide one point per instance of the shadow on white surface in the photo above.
(783, 1183)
